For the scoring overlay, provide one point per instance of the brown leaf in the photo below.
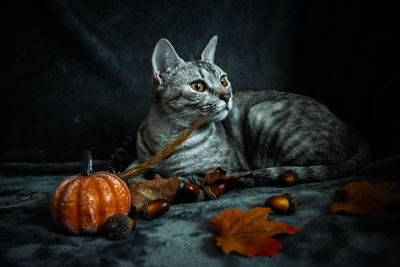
(148, 190)
(249, 232)
(219, 174)
(365, 198)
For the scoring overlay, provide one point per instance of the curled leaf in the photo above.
(249, 232)
(365, 198)
(149, 190)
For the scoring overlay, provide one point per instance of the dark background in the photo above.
(75, 75)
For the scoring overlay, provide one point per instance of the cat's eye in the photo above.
(224, 81)
(198, 86)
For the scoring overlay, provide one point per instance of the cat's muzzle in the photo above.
(225, 97)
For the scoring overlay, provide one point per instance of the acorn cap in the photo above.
(293, 203)
(117, 227)
(208, 193)
(215, 190)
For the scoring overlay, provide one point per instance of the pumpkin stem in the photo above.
(87, 165)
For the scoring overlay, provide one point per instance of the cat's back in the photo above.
(253, 105)
(281, 121)
(249, 98)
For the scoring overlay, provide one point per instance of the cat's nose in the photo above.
(225, 97)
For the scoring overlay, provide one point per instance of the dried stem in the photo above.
(135, 171)
(33, 198)
(87, 165)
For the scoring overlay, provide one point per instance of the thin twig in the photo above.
(27, 203)
(36, 197)
(135, 171)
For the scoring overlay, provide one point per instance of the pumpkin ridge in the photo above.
(81, 202)
(100, 194)
(64, 197)
(57, 199)
(127, 198)
(78, 205)
(113, 201)
(93, 183)
(110, 184)
(121, 200)
(89, 205)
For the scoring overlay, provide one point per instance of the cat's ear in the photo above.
(164, 58)
(209, 50)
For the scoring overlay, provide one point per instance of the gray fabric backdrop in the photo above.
(76, 75)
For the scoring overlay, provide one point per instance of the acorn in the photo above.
(215, 190)
(155, 208)
(288, 178)
(118, 226)
(282, 204)
(191, 193)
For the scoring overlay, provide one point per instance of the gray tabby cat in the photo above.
(267, 132)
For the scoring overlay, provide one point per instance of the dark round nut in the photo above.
(282, 204)
(155, 208)
(117, 227)
(191, 192)
(288, 178)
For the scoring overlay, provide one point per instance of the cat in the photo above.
(266, 132)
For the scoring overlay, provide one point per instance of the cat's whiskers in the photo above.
(210, 107)
(182, 114)
(188, 53)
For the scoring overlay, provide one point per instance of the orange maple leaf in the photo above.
(249, 232)
(148, 190)
(365, 198)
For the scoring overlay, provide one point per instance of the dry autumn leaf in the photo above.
(148, 190)
(249, 232)
(365, 198)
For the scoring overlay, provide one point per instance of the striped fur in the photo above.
(267, 132)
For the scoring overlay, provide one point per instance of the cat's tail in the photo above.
(314, 173)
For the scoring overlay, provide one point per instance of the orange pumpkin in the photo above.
(83, 202)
